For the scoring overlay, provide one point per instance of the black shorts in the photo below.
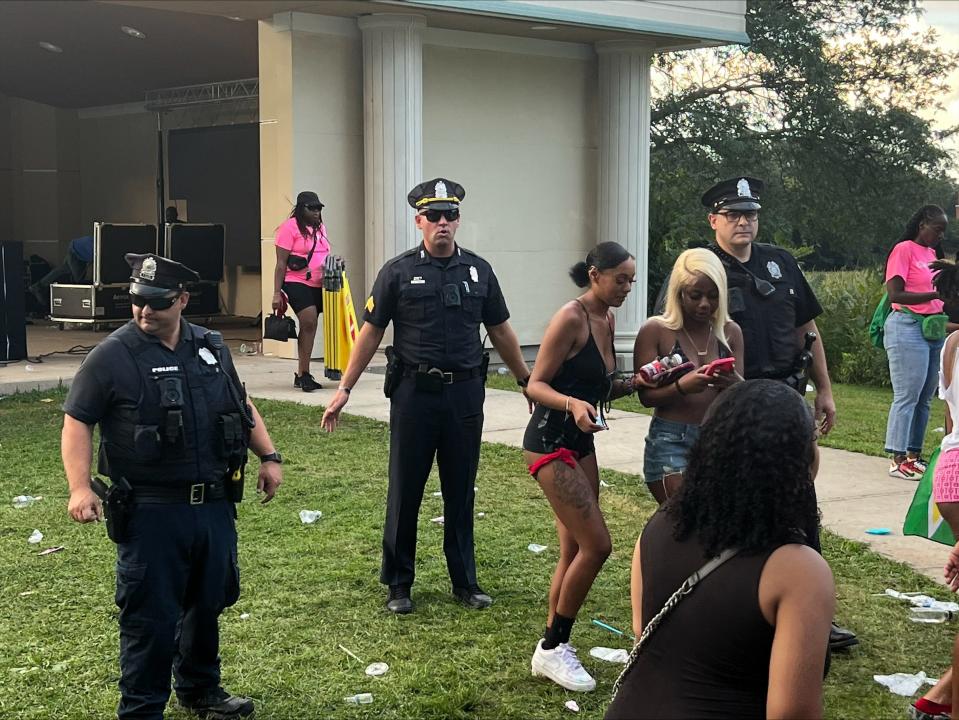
(303, 296)
(549, 430)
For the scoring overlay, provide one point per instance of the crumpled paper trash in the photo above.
(438, 520)
(35, 537)
(615, 655)
(308, 517)
(572, 706)
(920, 600)
(533, 547)
(903, 683)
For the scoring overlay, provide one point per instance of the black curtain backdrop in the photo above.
(217, 171)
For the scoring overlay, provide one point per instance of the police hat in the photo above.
(738, 193)
(438, 194)
(155, 277)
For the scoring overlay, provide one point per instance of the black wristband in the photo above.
(524, 382)
(679, 388)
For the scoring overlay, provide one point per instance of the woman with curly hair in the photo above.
(696, 326)
(750, 640)
(912, 351)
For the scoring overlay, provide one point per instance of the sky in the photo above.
(943, 15)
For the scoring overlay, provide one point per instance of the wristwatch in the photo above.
(272, 457)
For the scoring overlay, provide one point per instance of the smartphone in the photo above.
(600, 422)
(720, 365)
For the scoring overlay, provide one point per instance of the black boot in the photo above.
(218, 705)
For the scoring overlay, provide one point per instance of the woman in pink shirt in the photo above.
(301, 250)
(913, 359)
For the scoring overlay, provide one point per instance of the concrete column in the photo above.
(392, 131)
(623, 203)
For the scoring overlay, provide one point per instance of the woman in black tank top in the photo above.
(572, 378)
(751, 639)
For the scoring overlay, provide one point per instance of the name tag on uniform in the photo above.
(206, 356)
(417, 281)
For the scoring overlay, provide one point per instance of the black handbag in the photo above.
(279, 327)
(298, 262)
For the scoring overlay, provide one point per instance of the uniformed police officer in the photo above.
(175, 426)
(773, 304)
(436, 296)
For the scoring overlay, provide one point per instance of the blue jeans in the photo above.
(914, 370)
(667, 448)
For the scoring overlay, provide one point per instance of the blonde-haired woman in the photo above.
(696, 326)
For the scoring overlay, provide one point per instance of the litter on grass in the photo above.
(438, 494)
(22, 501)
(480, 515)
(360, 699)
(438, 520)
(603, 625)
(613, 655)
(376, 669)
(51, 550)
(35, 537)
(929, 616)
(603, 483)
(572, 706)
(879, 531)
(923, 601)
(244, 616)
(533, 547)
(308, 517)
(903, 683)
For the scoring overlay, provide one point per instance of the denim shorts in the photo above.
(667, 448)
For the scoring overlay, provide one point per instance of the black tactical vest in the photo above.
(187, 426)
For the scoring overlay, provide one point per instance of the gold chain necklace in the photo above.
(701, 353)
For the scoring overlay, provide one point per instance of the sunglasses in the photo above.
(734, 216)
(153, 303)
(433, 216)
(314, 207)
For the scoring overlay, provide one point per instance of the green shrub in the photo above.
(848, 298)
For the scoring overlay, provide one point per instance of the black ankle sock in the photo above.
(558, 632)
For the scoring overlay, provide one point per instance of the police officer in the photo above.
(175, 426)
(436, 295)
(773, 304)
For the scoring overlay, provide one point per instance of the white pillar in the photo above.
(623, 187)
(392, 131)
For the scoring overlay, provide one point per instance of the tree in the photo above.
(825, 105)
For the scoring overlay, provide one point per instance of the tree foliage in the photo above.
(827, 105)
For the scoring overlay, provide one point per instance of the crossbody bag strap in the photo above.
(674, 600)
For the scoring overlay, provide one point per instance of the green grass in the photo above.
(309, 588)
(861, 416)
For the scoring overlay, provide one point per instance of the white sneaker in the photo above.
(562, 667)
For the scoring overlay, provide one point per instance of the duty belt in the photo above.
(195, 494)
(448, 376)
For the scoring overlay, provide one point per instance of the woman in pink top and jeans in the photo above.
(913, 360)
(301, 242)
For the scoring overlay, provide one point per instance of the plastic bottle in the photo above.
(22, 501)
(360, 699)
(932, 616)
(652, 371)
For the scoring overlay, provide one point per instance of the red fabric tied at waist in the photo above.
(563, 455)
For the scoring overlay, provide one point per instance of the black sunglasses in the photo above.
(452, 215)
(314, 207)
(163, 303)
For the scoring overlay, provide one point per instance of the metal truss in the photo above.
(203, 94)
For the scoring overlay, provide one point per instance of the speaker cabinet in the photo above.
(13, 322)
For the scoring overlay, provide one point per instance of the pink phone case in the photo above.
(720, 365)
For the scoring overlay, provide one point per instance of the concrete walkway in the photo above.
(854, 490)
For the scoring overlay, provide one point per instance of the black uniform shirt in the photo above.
(769, 323)
(436, 308)
(109, 388)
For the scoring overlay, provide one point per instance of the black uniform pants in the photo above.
(175, 576)
(448, 426)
